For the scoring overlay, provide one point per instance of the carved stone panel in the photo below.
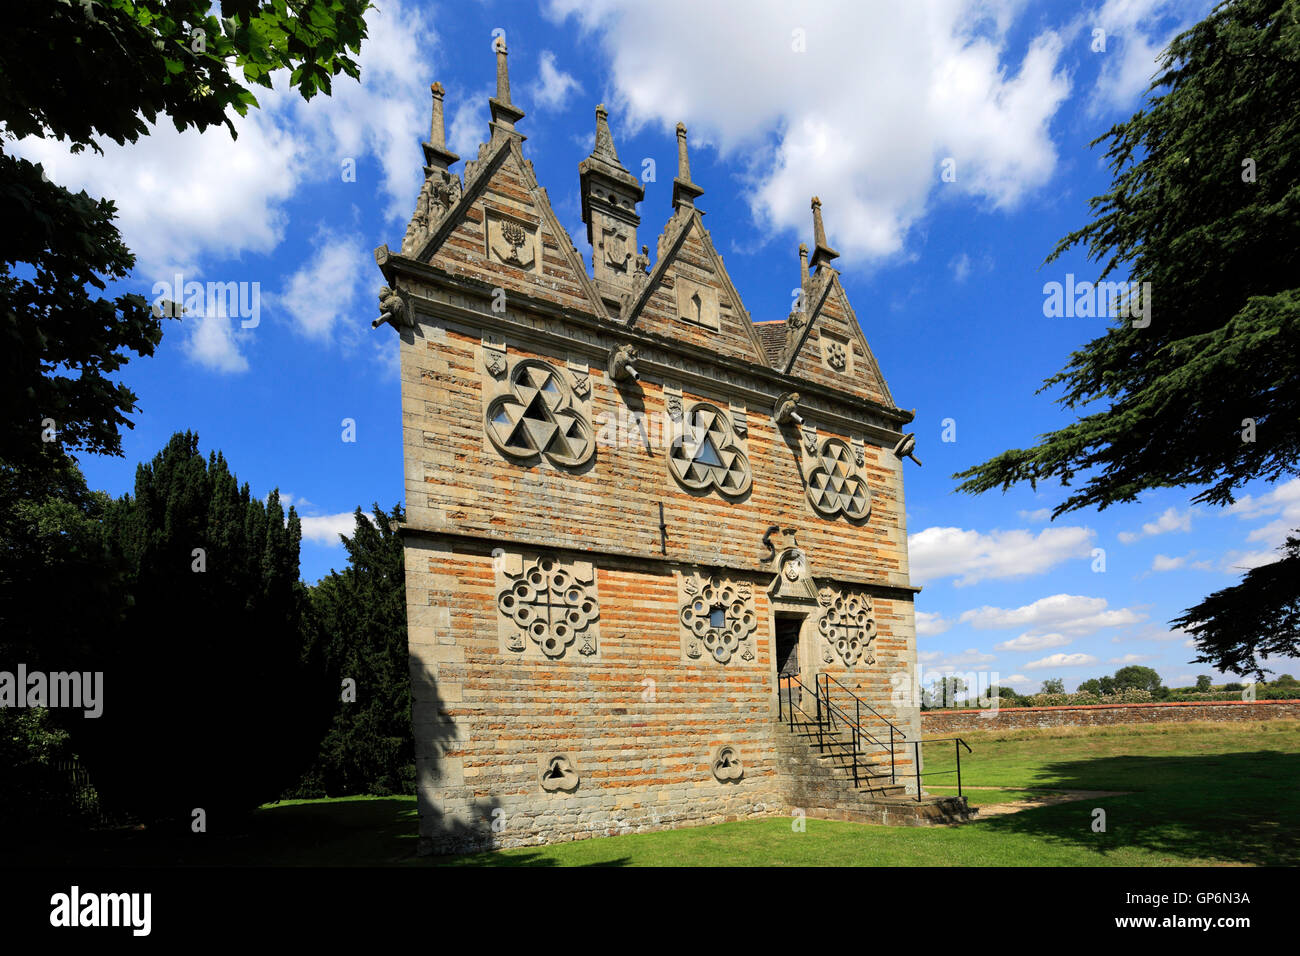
(547, 609)
(513, 242)
(557, 772)
(847, 626)
(535, 413)
(706, 453)
(718, 620)
(837, 354)
(697, 303)
(835, 483)
(726, 764)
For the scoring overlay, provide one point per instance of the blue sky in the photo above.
(860, 104)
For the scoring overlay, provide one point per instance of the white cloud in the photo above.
(212, 343)
(1136, 32)
(553, 86)
(1249, 560)
(1037, 516)
(960, 267)
(1283, 502)
(862, 119)
(1164, 563)
(941, 661)
(183, 197)
(1070, 614)
(188, 198)
(1170, 520)
(929, 623)
(1034, 642)
(1061, 660)
(971, 556)
(323, 293)
(325, 529)
(1131, 659)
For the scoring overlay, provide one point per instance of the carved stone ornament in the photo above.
(494, 358)
(794, 579)
(393, 310)
(848, 626)
(835, 356)
(548, 609)
(557, 773)
(810, 439)
(707, 453)
(835, 486)
(726, 764)
(513, 243)
(718, 619)
(581, 374)
(539, 417)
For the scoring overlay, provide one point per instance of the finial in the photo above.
(803, 265)
(683, 157)
(822, 253)
(504, 113)
(436, 154)
(685, 192)
(604, 148)
(437, 135)
(503, 71)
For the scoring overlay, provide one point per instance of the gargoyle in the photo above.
(392, 309)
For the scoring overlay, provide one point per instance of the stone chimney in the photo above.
(610, 194)
(822, 253)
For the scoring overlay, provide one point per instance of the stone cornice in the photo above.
(690, 365)
(633, 558)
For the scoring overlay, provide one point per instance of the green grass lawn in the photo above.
(1202, 794)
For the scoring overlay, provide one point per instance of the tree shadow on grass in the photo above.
(1230, 808)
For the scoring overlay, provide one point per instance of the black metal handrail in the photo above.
(827, 711)
(957, 742)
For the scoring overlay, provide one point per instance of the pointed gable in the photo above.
(831, 349)
(504, 232)
(689, 296)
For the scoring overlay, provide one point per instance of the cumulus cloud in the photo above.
(1136, 32)
(322, 295)
(1061, 660)
(1037, 516)
(1131, 659)
(553, 86)
(857, 103)
(212, 344)
(1034, 642)
(187, 199)
(941, 661)
(1170, 520)
(1070, 614)
(325, 529)
(971, 556)
(929, 623)
(1281, 503)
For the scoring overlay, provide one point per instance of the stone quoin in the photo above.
(598, 615)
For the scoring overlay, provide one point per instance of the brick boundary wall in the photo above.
(1091, 715)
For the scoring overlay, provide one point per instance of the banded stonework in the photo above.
(596, 614)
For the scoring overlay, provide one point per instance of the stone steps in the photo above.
(821, 783)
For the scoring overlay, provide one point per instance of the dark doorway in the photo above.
(787, 645)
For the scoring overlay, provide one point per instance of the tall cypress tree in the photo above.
(208, 703)
(357, 624)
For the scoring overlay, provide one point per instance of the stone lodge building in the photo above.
(630, 508)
